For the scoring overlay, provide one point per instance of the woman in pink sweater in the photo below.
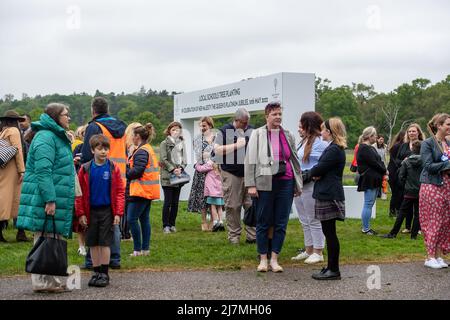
(213, 190)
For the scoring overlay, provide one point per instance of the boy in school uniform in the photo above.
(100, 207)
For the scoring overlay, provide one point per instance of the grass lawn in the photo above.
(192, 249)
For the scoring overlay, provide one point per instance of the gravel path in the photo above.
(397, 281)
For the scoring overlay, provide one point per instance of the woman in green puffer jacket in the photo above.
(49, 183)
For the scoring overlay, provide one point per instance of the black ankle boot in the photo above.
(21, 236)
(2, 226)
(2, 239)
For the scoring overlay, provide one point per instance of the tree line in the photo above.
(359, 106)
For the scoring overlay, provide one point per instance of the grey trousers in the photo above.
(312, 228)
(235, 197)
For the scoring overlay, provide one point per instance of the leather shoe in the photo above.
(93, 280)
(263, 267)
(275, 267)
(327, 274)
(21, 236)
(388, 236)
(102, 280)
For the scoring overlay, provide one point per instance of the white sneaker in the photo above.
(314, 258)
(82, 251)
(433, 263)
(166, 230)
(442, 263)
(301, 256)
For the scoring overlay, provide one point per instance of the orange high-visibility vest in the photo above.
(146, 186)
(117, 151)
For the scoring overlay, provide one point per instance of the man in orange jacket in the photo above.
(114, 129)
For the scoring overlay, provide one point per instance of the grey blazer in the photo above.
(259, 168)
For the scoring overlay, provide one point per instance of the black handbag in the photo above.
(250, 215)
(281, 165)
(49, 255)
(306, 176)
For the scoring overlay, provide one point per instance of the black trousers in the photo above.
(170, 208)
(410, 207)
(397, 196)
(333, 247)
(124, 226)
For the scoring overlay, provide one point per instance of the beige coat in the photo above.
(9, 176)
(259, 168)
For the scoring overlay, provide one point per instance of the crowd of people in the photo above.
(100, 181)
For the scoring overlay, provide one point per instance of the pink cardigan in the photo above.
(213, 180)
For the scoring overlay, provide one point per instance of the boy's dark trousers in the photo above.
(409, 205)
(114, 261)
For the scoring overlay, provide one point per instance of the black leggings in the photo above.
(170, 208)
(333, 248)
(397, 196)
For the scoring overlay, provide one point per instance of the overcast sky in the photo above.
(179, 45)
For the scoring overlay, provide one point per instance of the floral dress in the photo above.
(197, 200)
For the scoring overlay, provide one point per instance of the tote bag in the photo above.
(48, 255)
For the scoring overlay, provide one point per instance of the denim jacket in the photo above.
(432, 163)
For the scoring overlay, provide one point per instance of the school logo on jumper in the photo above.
(106, 175)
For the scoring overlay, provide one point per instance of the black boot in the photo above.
(2, 226)
(392, 213)
(21, 236)
(2, 239)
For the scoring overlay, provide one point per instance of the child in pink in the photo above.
(213, 190)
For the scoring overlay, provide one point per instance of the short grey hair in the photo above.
(242, 114)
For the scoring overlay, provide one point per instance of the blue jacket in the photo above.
(116, 128)
(432, 163)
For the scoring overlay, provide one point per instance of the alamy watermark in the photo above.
(74, 278)
(374, 280)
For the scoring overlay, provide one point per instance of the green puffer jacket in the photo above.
(49, 177)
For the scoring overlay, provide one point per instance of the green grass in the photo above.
(192, 249)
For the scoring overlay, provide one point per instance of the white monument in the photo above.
(295, 92)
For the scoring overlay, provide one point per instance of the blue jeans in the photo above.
(140, 210)
(370, 195)
(114, 260)
(273, 209)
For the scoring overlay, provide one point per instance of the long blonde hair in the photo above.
(129, 133)
(79, 133)
(421, 136)
(338, 131)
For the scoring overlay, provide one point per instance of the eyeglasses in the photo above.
(65, 115)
